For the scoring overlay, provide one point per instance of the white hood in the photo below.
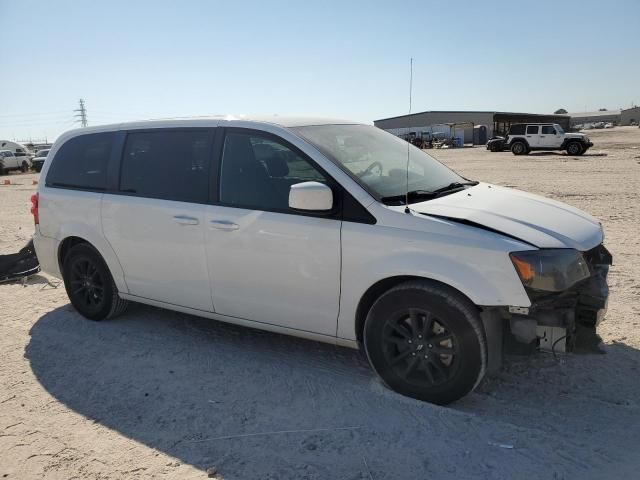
(574, 135)
(537, 220)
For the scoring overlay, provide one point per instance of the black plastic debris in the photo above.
(19, 265)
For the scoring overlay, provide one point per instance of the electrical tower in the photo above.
(81, 114)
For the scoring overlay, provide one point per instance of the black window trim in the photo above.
(340, 194)
(217, 134)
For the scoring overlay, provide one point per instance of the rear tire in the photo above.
(519, 148)
(2, 172)
(89, 284)
(426, 342)
(574, 149)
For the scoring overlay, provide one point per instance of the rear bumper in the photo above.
(588, 145)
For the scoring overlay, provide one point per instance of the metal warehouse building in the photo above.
(496, 123)
(612, 116)
(630, 115)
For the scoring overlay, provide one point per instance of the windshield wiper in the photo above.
(413, 195)
(453, 186)
(426, 194)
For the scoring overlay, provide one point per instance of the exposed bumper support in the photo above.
(578, 310)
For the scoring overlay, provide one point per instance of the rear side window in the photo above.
(167, 164)
(532, 130)
(516, 130)
(548, 130)
(82, 162)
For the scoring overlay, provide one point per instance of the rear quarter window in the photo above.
(82, 162)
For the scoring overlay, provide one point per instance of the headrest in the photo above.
(277, 165)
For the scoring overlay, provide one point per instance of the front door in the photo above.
(155, 222)
(268, 263)
(550, 137)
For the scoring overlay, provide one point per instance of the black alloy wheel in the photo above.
(419, 348)
(426, 341)
(89, 284)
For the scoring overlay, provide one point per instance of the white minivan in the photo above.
(330, 230)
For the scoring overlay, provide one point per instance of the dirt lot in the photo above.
(166, 395)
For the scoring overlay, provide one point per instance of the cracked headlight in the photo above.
(550, 270)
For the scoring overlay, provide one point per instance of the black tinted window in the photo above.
(257, 171)
(82, 162)
(516, 130)
(548, 130)
(532, 130)
(167, 164)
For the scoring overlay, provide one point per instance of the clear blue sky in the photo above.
(141, 59)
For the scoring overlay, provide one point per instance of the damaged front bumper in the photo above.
(566, 320)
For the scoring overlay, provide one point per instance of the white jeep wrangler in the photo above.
(526, 137)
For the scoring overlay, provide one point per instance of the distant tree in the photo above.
(602, 109)
(560, 111)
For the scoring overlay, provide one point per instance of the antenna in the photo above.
(406, 194)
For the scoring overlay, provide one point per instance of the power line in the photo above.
(82, 113)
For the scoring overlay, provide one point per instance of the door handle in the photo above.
(186, 220)
(224, 225)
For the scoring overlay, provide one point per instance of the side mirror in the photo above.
(310, 196)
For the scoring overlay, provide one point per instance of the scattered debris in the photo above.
(501, 445)
(277, 432)
(16, 266)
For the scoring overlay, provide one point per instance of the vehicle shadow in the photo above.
(260, 405)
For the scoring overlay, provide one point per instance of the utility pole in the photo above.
(81, 114)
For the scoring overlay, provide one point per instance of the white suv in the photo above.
(524, 138)
(300, 226)
(9, 161)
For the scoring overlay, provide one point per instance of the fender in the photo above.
(452, 262)
(566, 142)
(99, 242)
(518, 139)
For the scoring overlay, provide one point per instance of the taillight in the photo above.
(34, 208)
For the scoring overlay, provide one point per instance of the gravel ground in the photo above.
(166, 395)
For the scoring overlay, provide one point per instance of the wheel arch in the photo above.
(70, 241)
(381, 286)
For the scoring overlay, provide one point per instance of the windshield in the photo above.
(558, 129)
(378, 160)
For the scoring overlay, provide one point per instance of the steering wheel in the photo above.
(371, 167)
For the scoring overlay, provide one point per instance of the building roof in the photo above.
(604, 113)
(475, 111)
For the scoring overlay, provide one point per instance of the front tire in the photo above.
(426, 342)
(574, 149)
(89, 284)
(24, 167)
